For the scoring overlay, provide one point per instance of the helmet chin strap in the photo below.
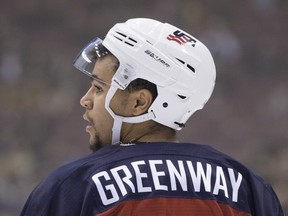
(118, 120)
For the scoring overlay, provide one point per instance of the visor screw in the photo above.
(165, 104)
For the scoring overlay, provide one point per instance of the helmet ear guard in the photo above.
(124, 76)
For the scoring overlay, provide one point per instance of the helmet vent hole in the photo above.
(118, 38)
(180, 61)
(182, 97)
(129, 43)
(123, 35)
(191, 68)
(149, 42)
(165, 104)
(131, 39)
(125, 39)
(187, 65)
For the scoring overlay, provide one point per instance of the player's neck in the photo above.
(149, 132)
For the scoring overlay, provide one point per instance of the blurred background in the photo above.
(41, 124)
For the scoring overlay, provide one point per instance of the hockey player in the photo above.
(147, 79)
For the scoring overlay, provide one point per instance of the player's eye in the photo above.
(98, 89)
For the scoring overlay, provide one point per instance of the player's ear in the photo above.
(142, 99)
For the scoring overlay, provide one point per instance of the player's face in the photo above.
(100, 121)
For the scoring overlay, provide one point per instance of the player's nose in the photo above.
(86, 101)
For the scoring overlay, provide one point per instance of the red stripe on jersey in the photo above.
(172, 207)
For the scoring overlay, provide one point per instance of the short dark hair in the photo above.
(139, 83)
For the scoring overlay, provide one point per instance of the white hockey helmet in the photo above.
(179, 65)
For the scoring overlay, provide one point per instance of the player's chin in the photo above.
(93, 148)
(95, 144)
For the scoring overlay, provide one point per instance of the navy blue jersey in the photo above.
(153, 179)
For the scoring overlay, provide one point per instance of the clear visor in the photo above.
(87, 58)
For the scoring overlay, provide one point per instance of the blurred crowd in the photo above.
(41, 124)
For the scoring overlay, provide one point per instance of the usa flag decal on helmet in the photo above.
(181, 38)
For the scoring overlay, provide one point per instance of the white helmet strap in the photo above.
(118, 120)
